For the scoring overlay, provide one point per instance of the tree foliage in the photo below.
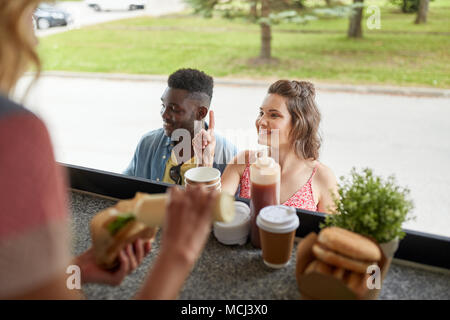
(282, 11)
(407, 6)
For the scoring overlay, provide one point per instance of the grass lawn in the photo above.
(401, 53)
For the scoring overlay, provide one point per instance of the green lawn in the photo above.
(401, 53)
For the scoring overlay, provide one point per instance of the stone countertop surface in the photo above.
(238, 272)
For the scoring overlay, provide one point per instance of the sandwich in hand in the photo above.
(114, 228)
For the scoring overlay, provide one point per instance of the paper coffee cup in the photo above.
(202, 175)
(277, 226)
(209, 187)
(218, 188)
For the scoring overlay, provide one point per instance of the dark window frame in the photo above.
(418, 247)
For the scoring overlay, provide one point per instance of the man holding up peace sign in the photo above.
(167, 153)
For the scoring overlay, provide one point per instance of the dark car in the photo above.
(47, 16)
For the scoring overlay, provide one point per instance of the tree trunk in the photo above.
(266, 33)
(355, 29)
(328, 2)
(405, 6)
(254, 10)
(422, 12)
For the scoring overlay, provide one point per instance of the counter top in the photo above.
(238, 272)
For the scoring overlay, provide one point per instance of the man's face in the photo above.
(178, 111)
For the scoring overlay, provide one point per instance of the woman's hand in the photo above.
(129, 259)
(188, 223)
(204, 144)
(186, 229)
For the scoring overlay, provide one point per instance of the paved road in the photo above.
(97, 123)
(85, 16)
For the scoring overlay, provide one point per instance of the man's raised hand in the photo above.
(204, 144)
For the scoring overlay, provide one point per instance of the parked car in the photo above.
(106, 5)
(47, 16)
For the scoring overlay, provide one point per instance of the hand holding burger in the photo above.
(129, 259)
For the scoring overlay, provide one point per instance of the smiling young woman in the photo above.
(290, 110)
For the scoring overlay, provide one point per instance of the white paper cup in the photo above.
(212, 185)
(217, 186)
(202, 175)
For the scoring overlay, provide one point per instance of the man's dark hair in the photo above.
(197, 83)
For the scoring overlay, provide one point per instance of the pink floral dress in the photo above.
(302, 199)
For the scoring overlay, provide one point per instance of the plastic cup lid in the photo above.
(278, 219)
(242, 206)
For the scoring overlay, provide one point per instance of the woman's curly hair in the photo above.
(300, 100)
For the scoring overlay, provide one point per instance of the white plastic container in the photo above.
(236, 231)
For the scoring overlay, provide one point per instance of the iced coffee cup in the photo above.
(265, 176)
(277, 226)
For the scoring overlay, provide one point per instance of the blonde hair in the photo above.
(17, 43)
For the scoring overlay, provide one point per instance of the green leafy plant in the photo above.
(371, 206)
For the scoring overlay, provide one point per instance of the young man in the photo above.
(166, 154)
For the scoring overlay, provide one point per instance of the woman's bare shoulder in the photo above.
(324, 175)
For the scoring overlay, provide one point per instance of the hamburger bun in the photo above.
(339, 273)
(304, 253)
(319, 267)
(349, 244)
(339, 260)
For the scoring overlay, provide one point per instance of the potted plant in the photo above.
(374, 207)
